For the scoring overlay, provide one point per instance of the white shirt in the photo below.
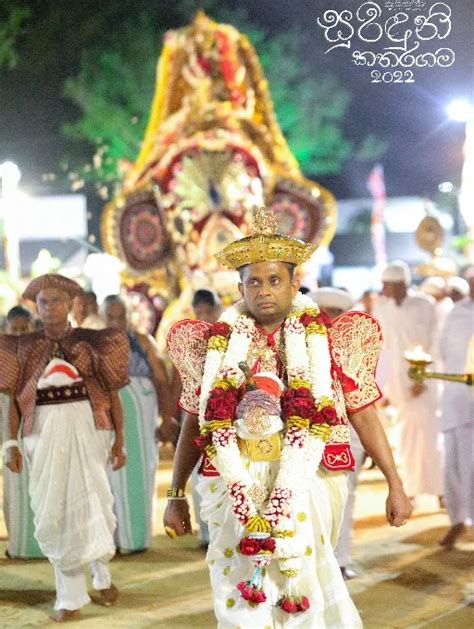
(458, 399)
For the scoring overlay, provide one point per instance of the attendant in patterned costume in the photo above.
(147, 393)
(16, 501)
(274, 468)
(64, 384)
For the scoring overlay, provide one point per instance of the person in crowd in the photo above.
(21, 543)
(146, 395)
(408, 319)
(64, 383)
(207, 307)
(85, 312)
(457, 417)
(437, 288)
(19, 321)
(368, 301)
(273, 511)
(457, 288)
(92, 319)
(335, 301)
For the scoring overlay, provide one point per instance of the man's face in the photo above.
(268, 291)
(19, 325)
(116, 316)
(53, 306)
(368, 301)
(395, 290)
(206, 312)
(78, 309)
(90, 305)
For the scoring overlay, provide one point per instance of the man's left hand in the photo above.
(118, 456)
(168, 431)
(398, 507)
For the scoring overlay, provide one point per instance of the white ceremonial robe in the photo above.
(319, 513)
(70, 494)
(412, 324)
(442, 308)
(457, 418)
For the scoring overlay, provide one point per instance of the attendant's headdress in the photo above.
(265, 245)
(52, 280)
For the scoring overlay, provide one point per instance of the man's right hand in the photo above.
(14, 460)
(417, 388)
(177, 517)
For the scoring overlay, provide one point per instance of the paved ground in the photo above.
(406, 580)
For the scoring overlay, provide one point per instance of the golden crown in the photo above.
(265, 245)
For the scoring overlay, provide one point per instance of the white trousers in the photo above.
(459, 473)
(203, 528)
(71, 586)
(343, 548)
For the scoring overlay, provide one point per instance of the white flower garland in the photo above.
(309, 360)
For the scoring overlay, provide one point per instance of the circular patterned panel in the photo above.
(302, 211)
(143, 235)
(430, 234)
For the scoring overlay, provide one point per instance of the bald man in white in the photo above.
(408, 320)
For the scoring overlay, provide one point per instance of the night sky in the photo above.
(425, 148)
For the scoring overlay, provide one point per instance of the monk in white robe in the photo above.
(457, 419)
(408, 320)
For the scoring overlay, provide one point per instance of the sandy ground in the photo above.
(405, 579)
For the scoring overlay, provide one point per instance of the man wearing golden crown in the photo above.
(270, 390)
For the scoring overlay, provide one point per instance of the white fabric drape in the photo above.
(70, 493)
(318, 515)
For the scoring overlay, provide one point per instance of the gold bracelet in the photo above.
(175, 492)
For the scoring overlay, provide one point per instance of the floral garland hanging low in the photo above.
(308, 412)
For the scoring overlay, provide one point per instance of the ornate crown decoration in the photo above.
(265, 244)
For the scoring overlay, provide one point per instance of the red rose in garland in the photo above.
(300, 402)
(304, 603)
(221, 405)
(307, 318)
(269, 544)
(289, 606)
(323, 319)
(249, 546)
(221, 329)
(329, 415)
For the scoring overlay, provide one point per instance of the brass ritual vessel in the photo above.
(419, 371)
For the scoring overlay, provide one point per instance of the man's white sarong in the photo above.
(69, 489)
(318, 516)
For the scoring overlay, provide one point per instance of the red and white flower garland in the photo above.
(307, 409)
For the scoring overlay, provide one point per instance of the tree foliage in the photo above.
(12, 22)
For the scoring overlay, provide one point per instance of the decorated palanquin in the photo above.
(212, 152)
(354, 340)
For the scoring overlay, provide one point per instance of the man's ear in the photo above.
(295, 285)
(240, 286)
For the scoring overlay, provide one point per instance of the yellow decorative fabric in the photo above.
(261, 449)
